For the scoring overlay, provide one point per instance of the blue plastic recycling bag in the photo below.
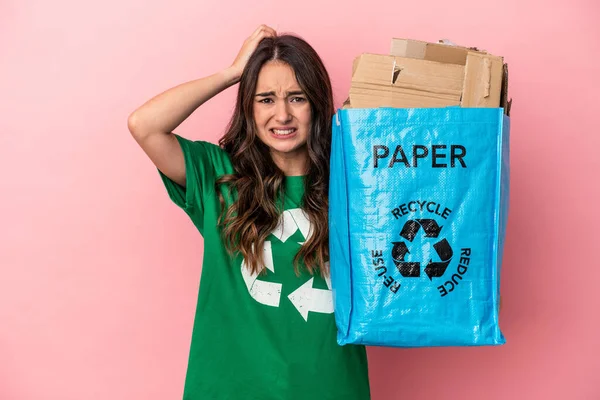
(417, 217)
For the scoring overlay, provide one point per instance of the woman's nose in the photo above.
(282, 112)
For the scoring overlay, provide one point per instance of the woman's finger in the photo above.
(258, 31)
(271, 31)
(266, 33)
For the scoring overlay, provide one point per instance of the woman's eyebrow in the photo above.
(292, 93)
(265, 94)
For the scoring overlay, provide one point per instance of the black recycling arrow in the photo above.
(399, 251)
(407, 269)
(444, 251)
(431, 228)
(410, 229)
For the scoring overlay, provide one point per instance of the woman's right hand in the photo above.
(248, 48)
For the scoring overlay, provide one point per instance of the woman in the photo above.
(264, 326)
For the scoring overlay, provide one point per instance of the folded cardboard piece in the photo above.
(421, 74)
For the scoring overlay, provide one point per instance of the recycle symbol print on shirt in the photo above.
(306, 298)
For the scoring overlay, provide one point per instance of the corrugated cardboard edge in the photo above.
(482, 85)
(505, 102)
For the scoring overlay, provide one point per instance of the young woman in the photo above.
(264, 326)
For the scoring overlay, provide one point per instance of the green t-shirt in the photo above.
(266, 337)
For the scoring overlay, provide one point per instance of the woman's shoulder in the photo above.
(203, 149)
(215, 155)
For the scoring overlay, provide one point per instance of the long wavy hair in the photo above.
(259, 184)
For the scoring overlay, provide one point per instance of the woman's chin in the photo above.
(290, 148)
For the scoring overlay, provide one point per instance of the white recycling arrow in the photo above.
(289, 222)
(301, 221)
(267, 293)
(307, 299)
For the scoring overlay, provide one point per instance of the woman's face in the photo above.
(281, 112)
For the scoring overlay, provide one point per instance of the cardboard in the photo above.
(483, 80)
(388, 81)
(422, 74)
(445, 53)
(504, 101)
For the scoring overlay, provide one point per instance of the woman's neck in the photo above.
(292, 164)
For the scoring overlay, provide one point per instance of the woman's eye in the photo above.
(265, 101)
(298, 99)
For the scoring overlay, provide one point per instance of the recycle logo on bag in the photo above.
(421, 233)
(430, 229)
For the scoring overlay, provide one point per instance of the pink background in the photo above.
(99, 270)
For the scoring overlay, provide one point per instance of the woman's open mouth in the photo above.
(283, 133)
